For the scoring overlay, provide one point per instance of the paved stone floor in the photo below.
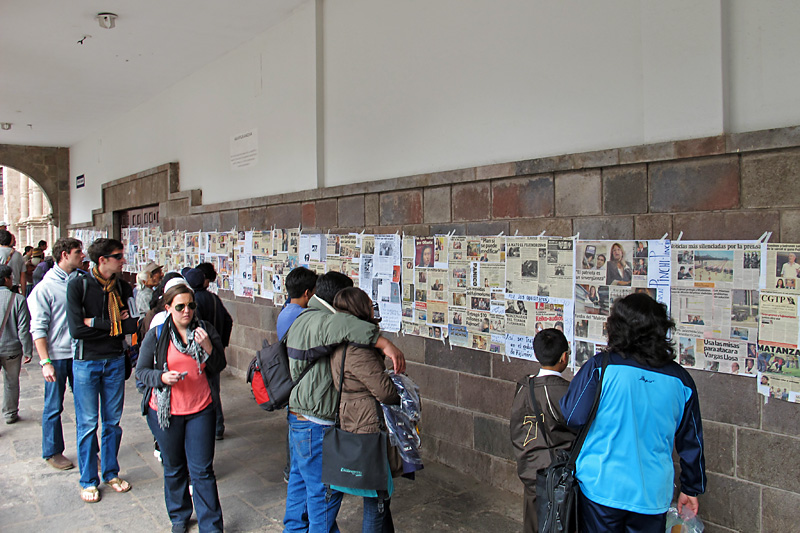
(249, 465)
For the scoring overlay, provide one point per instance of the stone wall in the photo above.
(49, 168)
(725, 187)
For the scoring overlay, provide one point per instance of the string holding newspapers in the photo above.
(735, 303)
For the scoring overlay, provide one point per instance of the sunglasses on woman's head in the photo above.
(180, 307)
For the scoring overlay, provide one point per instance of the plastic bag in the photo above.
(685, 522)
(401, 420)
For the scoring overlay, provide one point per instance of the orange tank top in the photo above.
(191, 394)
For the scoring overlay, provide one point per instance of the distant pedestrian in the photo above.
(148, 278)
(211, 309)
(15, 343)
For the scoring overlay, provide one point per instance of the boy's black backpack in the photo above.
(269, 376)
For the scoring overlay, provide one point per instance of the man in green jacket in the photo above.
(312, 404)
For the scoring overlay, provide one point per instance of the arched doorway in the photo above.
(26, 209)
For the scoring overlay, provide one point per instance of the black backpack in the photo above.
(269, 376)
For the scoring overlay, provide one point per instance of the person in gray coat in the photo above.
(16, 346)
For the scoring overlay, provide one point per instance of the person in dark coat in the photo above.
(211, 309)
(534, 443)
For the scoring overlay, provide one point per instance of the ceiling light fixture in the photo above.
(107, 20)
(5, 125)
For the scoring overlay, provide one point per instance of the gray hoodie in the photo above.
(48, 306)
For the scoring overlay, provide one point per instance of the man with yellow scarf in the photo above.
(98, 320)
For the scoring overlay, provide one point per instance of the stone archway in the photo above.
(49, 168)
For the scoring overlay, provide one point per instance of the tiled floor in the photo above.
(249, 465)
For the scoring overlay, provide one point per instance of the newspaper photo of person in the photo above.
(424, 252)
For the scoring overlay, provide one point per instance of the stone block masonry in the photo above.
(722, 187)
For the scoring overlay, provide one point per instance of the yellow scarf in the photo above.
(114, 300)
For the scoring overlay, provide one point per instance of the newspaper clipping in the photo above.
(715, 304)
(777, 359)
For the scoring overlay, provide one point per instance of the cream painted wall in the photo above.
(763, 38)
(268, 84)
(420, 86)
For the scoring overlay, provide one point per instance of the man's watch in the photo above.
(43, 362)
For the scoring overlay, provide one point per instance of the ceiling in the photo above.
(56, 91)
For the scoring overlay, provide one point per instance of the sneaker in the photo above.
(157, 455)
(12, 419)
(179, 528)
(191, 490)
(219, 436)
(286, 475)
(59, 462)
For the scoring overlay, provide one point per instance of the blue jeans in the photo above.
(52, 433)
(307, 506)
(187, 449)
(213, 382)
(375, 521)
(102, 380)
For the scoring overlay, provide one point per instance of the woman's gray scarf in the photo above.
(190, 348)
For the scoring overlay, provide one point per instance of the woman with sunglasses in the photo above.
(175, 363)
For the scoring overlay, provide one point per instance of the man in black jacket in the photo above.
(98, 320)
(211, 309)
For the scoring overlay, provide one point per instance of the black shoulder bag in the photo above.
(354, 460)
(556, 485)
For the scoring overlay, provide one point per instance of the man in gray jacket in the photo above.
(48, 305)
(15, 342)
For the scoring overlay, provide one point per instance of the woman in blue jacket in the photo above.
(648, 405)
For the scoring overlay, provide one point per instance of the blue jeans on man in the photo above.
(52, 432)
(102, 380)
(187, 450)
(309, 507)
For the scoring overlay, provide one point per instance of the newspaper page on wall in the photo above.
(779, 320)
(539, 290)
(385, 288)
(606, 271)
(715, 303)
(409, 324)
(428, 293)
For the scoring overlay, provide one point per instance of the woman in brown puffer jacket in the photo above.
(365, 381)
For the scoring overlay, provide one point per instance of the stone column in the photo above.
(36, 201)
(24, 198)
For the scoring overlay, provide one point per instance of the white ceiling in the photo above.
(65, 90)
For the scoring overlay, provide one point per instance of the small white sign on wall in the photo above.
(244, 150)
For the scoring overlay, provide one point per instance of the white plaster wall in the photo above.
(268, 84)
(419, 86)
(682, 69)
(763, 76)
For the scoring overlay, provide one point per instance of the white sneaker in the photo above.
(157, 455)
(191, 490)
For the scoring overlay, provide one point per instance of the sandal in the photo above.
(90, 494)
(118, 484)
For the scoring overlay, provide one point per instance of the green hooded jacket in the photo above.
(314, 335)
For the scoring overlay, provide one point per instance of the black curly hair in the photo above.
(638, 327)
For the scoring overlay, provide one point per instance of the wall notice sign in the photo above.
(80, 181)
(244, 150)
